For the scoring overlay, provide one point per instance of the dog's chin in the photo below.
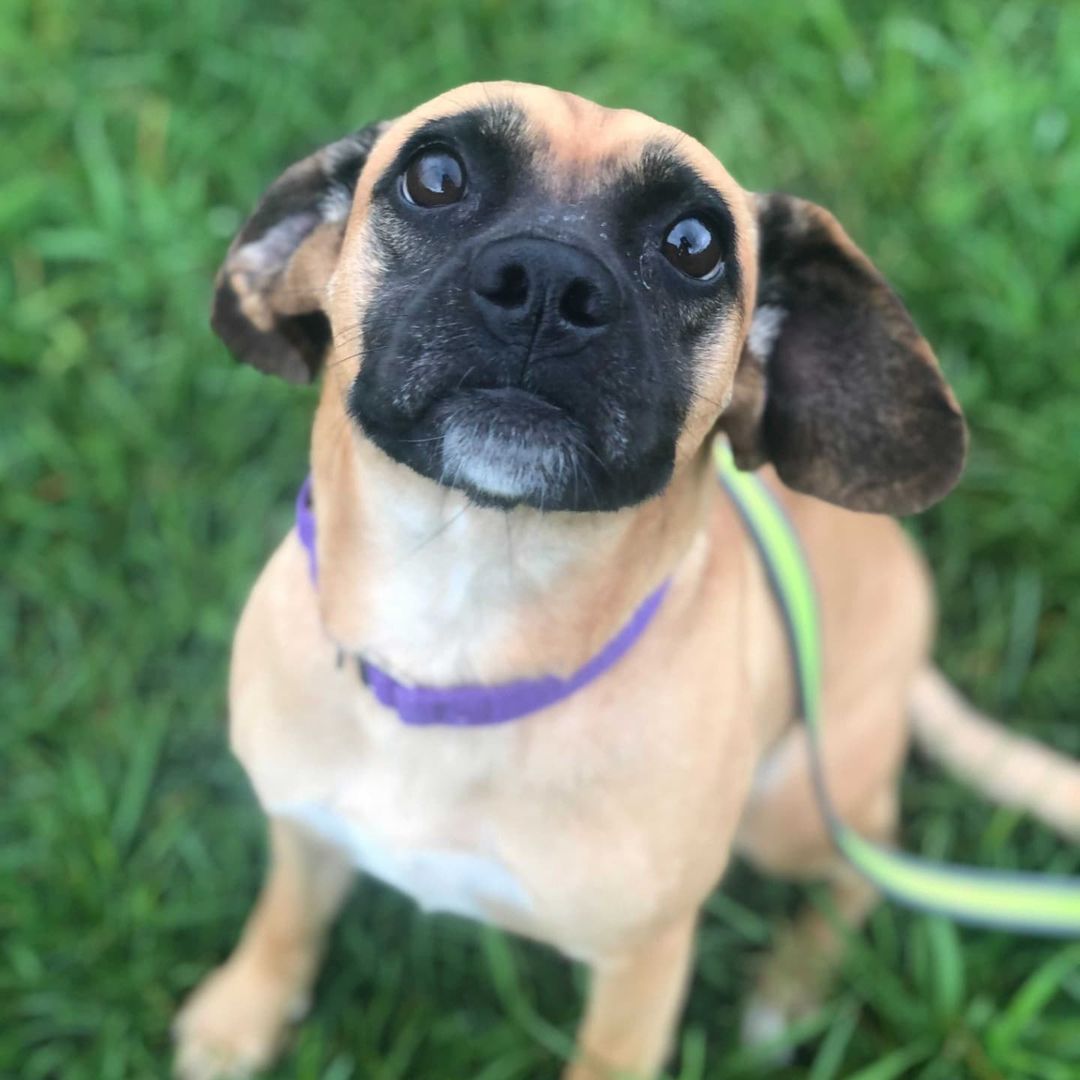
(507, 447)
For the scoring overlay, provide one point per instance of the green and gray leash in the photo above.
(1028, 903)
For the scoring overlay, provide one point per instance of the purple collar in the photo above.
(474, 705)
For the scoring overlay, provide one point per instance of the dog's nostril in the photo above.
(507, 286)
(582, 305)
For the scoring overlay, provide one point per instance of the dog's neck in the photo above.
(439, 591)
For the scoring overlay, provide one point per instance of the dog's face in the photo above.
(543, 302)
(542, 290)
(546, 289)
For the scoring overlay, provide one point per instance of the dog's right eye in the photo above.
(433, 178)
(694, 248)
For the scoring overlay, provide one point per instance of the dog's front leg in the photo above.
(234, 1022)
(635, 998)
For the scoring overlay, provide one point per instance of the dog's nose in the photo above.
(544, 295)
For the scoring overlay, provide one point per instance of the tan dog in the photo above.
(534, 315)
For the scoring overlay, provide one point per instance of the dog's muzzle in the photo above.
(523, 372)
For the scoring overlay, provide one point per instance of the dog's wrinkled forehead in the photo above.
(567, 147)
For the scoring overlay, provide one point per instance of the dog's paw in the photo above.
(764, 1025)
(232, 1026)
(788, 990)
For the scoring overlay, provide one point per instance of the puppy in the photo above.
(533, 316)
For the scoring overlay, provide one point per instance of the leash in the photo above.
(1029, 903)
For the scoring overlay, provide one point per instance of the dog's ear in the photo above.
(268, 295)
(835, 386)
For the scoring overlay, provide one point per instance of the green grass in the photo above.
(145, 477)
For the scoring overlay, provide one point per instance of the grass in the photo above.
(145, 477)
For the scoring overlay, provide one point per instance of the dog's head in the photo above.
(540, 301)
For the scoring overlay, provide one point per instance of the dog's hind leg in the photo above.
(795, 977)
(634, 1002)
(784, 833)
(235, 1021)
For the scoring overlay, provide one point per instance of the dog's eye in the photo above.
(433, 178)
(692, 247)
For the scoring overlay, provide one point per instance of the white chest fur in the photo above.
(470, 883)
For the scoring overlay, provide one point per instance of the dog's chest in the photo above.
(467, 880)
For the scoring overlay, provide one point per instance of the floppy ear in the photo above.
(267, 304)
(836, 387)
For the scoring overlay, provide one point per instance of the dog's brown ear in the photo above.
(836, 387)
(267, 304)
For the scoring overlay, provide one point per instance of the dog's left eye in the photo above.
(433, 178)
(692, 247)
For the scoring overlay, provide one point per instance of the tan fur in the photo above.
(1010, 769)
(617, 810)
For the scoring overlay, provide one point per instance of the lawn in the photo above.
(144, 477)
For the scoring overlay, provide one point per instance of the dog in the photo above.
(533, 315)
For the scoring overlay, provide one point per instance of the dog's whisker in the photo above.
(426, 439)
(427, 541)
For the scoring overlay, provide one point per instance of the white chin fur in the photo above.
(501, 465)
